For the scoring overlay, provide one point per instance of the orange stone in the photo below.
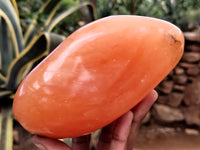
(97, 74)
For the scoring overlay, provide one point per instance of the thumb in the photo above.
(44, 143)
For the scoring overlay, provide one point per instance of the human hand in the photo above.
(119, 135)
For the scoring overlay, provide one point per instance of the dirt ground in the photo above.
(165, 138)
(152, 137)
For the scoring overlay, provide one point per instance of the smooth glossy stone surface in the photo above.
(97, 74)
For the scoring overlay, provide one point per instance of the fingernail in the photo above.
(40, 146)
(155, 94)
(37, 143)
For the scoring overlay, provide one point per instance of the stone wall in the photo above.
(179, 92)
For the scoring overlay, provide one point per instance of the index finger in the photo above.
(139, 112)
(114, 136)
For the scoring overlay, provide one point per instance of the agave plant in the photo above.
(20, 53)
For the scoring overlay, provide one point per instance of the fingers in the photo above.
(119, 135)
(114, 136)
(121, 132)
(81, 143)
(143, 107)
(106, 137)
(139, 112)
(44, 143)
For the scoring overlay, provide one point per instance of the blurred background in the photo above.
(31, 29)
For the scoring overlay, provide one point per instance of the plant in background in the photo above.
(114, 7)
(184, 14)
(21, 51)
(180, 12)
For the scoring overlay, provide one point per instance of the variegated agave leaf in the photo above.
(68, 12)
(11, 40)
(48, 9)
(37, 49)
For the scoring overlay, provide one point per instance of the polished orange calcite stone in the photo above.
(97, 74)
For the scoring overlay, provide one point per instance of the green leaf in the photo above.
(48, 9)
(6, 128)
(66, 13)
(9, 46)
(4, 47)
(37, 49)
(2, 79)
(54, 41)
(5, 94)
(8, 9)
(14, 3)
